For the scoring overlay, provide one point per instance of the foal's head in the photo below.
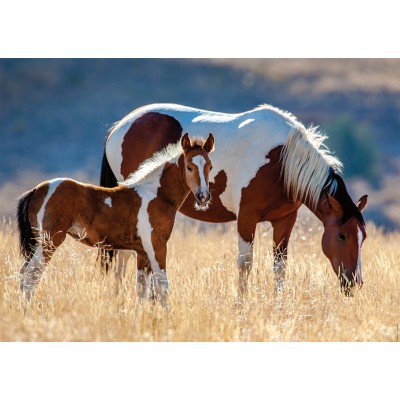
(197, 167)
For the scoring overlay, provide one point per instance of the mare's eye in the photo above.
(341, 236)
(189, 168)
(211, 168)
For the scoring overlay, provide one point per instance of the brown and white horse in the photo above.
(266, 166)
(137, 215)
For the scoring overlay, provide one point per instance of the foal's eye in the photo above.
(341, 236)
(189, 168)
(211, 168)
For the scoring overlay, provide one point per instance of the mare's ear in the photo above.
(209, 144)
(361, 204)
(331, 205)
(185, 143)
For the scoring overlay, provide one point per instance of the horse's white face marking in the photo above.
(108, 202)
(359, 266)
(200, 162)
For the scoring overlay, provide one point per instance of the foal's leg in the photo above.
(143, 277)
(246, 230)
(282, 229)
(32, 269)
(158, 266)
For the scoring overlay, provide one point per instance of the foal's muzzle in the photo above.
(202, 196)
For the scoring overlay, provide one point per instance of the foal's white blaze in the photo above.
(200, 162)
(108, 202)
(359, 266)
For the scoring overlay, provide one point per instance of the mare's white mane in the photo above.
(307, 165)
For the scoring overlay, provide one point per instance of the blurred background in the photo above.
(55, 113)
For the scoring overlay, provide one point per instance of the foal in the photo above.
(137, 215)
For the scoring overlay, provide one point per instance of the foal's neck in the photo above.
(173, 188)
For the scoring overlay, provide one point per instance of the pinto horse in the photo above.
(137, 215)
(266, 166)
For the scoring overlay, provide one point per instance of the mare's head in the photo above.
(344, 233)
(197, 167)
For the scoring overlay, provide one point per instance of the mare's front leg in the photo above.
(282, 230)
(246, 230)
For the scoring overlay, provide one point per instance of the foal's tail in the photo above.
(107, 179)
(27, 239)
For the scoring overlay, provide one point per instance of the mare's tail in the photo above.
(107, 179)
(27, 239)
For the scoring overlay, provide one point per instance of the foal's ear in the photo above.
(209, 144)
(362, 202)
(185, 143)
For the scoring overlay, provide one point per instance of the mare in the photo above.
(138, 214)
(266, 166)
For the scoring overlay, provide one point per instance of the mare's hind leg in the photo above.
(282, 229)
(246, 230)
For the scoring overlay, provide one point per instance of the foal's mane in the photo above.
(152, 164)
(308, 167)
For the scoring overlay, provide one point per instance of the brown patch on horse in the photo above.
(160, 130)
(217, 211)
(264, 199)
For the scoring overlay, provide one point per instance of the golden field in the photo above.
(76, 302)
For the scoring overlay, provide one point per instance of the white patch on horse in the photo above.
(108, 201)
(359, 266)
(245, 122)
(53, 184)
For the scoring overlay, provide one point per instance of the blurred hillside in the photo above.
(55, 114)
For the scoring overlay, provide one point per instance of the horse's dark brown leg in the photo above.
(282, 229)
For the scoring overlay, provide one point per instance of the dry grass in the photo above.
(75, 302)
